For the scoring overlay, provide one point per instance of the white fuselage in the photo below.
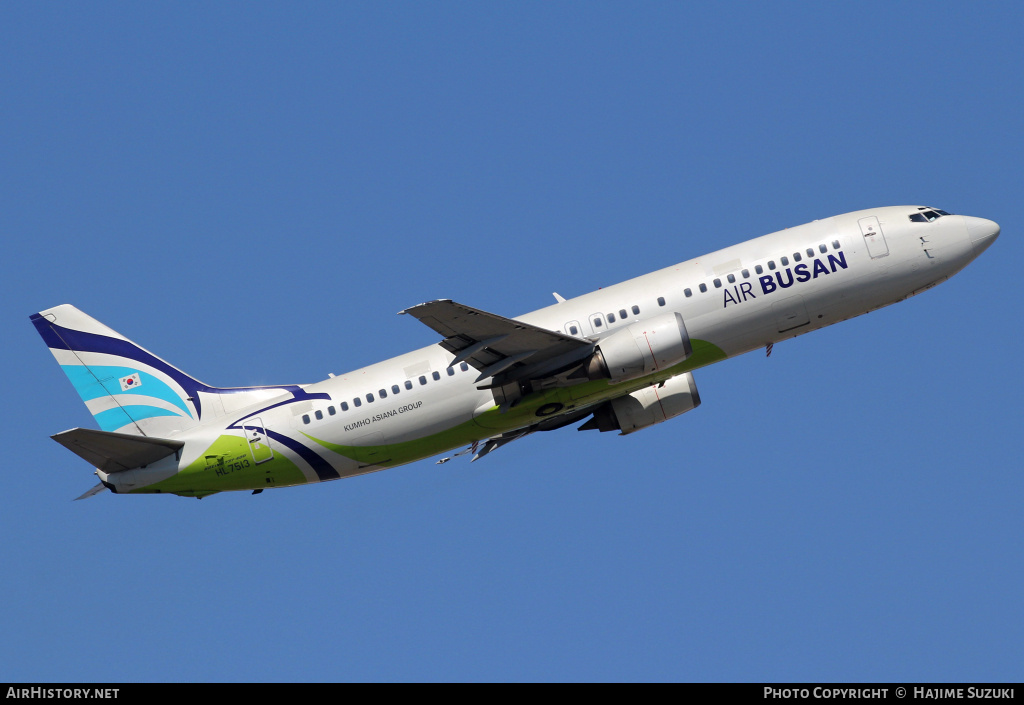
(737, 299)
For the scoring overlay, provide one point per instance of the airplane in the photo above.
(617, 359)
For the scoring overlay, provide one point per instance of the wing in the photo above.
(502, 349)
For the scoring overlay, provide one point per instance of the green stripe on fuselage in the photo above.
(407, 451)
(494, 422)
(228, 464)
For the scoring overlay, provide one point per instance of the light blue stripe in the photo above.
(88, 388)
(113, 419)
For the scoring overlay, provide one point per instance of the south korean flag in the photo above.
(130, 382)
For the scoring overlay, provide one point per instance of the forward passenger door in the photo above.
(874, 238)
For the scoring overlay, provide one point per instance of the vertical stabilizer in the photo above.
(125, 387)
(129, 389)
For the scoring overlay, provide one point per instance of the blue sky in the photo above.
(253, 190)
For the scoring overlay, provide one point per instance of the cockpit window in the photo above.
(926, 215)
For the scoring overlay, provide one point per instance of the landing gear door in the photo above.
(873, 237)
(259, 443)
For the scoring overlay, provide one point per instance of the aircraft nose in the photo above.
(982, 232)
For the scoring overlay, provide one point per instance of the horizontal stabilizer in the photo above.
(116, 452)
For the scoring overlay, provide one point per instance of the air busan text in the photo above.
(784, 279)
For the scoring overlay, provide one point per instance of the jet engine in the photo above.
(647, 406)
(640, 349)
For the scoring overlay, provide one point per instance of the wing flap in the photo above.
(116, 452)
(93, 492)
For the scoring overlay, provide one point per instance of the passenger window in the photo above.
(369, 397)
(771, 264)
(464, 366)
(759, 269)
(408, 384)
(797, 257)
(573, 330)
(661, 300)
(703, 287)
(746, 273)
(451, 371)
(622, 313)
(717, 283)
(423, 380)
(636, 310)
(598, 322)
(331, 411)
(835, 244)
(435, 375)
(731, 278)
(319, 415)
(822, 249)
(383, 393)
(395, 389)
(611, 318)
(785, 261)
(357, 401)
(305, 418)
(687, 293)
(810, 252)
(344, 406)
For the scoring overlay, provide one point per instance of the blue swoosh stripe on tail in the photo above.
(113, 419)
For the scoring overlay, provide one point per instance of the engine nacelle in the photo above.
(640, 349)
(647, 406)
